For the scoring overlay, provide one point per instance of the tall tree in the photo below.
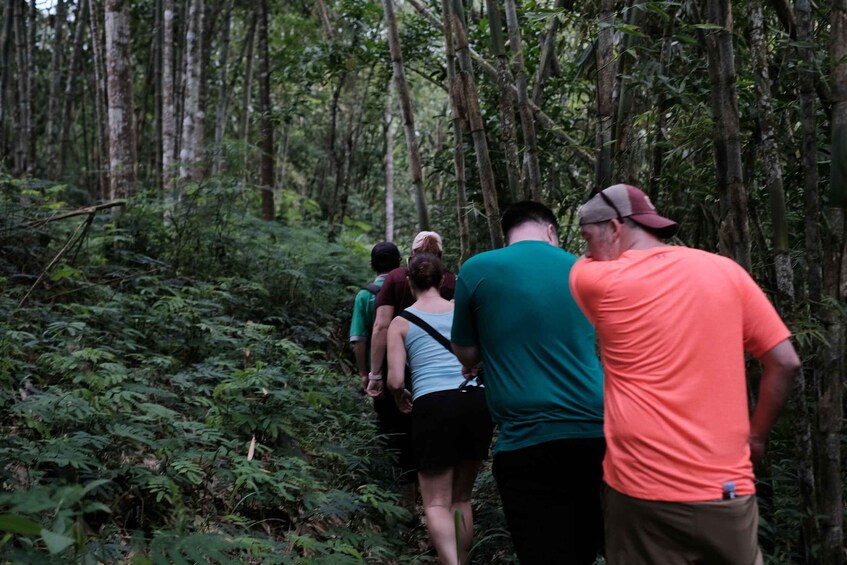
(734, 223)
(527, 118)
(508, 131)
(5, 71)
(266, 123)
(168, 99)
(388, 136)
(54, 102)
(223, 94)
(470, 96)
(122, 160)
(459, 117)
(80, 22)
(24, 107)
(100, 99)
(192, 111)
(831, 401)
(605, 90)
(415, 166)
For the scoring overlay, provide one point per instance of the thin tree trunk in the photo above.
(54, 103)
(5, 71)
(543, 120)
(476, 125)
(509, 134)
(548, 53)
(625, 137)
(798, 410)
(122, 161)
(415, 167)
(30, 80)
(458, 112)
(266, 126)
(23, 123)
(223, 97)
(831, 399)
(100, 104)
(388, 134)
(158, 44)
(246, 97)
(191, 89)
(605, 89)
(527, 119)
(734, 230)
(169, 161)
(80, 20)
(770, 152)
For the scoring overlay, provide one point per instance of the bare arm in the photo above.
(360, 352)
(468, 356)
(396, 364)
(379, 341)
(780, 368)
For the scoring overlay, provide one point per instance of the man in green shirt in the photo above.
(543, 384)
(392, 423)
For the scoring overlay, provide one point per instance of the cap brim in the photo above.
(661, 226)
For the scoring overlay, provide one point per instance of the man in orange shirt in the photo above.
(673, 325)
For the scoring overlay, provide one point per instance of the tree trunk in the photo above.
(122, 160)
(100, 104)
(266, 122)
(169, 157)
(543, 120)
(223, 95)
(527, 119)
(548, 54)
(247, 95)
(459, 118)
(625, 160)
(54, 103)
(509, 134)
(734, 230)
(158, 44)
(770, 152)
(388, 134)
(470, 97)
(191, 88)
(23, 125)
(415, 167)
(80, 19)
(30, 80)
(5, 71)
(831, 400)
(605, 89)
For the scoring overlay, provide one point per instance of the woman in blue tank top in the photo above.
(451, 427)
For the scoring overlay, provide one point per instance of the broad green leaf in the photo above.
(56, 543)
(19, 524)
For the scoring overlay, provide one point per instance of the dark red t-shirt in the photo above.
(396, 292)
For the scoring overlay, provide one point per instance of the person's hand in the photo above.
(375, 387)
(471, 372)
(757, 449)
(364, 380)
(403, 399)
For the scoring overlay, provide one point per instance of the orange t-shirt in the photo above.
(673, 325)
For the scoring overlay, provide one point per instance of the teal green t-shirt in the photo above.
(364, 313)
(543, 380)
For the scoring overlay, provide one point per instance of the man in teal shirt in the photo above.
(543, 384)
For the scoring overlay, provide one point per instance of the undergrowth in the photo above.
(172, 391)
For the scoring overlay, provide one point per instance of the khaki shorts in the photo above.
(652, 532)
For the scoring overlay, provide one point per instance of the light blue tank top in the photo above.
(433, 367)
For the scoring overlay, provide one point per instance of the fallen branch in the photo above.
(89, 210)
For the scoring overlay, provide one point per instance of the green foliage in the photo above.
(170, 395)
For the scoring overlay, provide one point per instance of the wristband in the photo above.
(372, 377)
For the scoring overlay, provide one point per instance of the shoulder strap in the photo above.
(427, 328)
(373, 288)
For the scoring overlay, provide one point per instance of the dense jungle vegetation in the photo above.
(189, 191)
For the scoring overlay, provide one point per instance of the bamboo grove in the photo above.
(731, 116)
